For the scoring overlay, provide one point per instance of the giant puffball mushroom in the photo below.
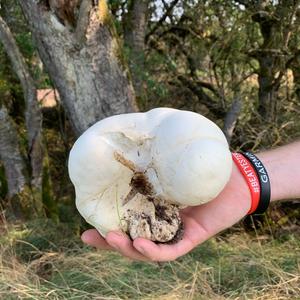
(133, 172)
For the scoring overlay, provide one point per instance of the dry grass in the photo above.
(235, 267)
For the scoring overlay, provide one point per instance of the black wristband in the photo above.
(264, 180)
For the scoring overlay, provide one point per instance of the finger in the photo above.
(123, 244)
(193, 235)
(92, 238)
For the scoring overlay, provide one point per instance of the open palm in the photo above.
(200, 223)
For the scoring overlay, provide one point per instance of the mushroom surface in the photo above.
(134, 172)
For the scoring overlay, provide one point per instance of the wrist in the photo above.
(257, 179)
(282, 165)
(240, 185)
(275, 184)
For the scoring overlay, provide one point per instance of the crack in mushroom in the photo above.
(139, 181)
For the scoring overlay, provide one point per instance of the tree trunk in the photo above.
(33, 115)
(271, 60)
(276, 26)
(85, 64)
(268, 91)
(19, 193)
(296, 74)
(10, 154)
(135, 25)
(232, 117)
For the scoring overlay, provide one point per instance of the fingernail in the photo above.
(118, 233)
(85, 238)
(115, 246)
(113, 238)
(140, 249)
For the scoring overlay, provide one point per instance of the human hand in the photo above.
(200, 223)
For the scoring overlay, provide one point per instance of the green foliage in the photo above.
(24, 41)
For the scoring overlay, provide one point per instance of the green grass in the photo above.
(42, 260)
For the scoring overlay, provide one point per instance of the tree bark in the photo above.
(135, 25)
(232, 117)
(268, 91)
(14, 166)
(270, 58)
(90, 74)
(10, 154)
(276, 26)
(33, 115)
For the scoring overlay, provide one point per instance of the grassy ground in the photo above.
(42, 260)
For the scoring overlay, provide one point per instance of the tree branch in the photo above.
(292, 20)
(33, 116)
(15, 57)
(162, 19)
(202, 96)
(209, 86)
(231, 117)
(83, 20)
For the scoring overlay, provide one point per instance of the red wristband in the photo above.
(251, 178)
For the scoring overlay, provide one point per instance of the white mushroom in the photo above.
(133, 172)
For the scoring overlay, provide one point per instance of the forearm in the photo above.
(283, 166)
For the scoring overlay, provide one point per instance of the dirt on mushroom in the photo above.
(164, 225)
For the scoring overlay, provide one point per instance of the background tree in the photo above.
(24, 184)
(236, 62)
(80, 50)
